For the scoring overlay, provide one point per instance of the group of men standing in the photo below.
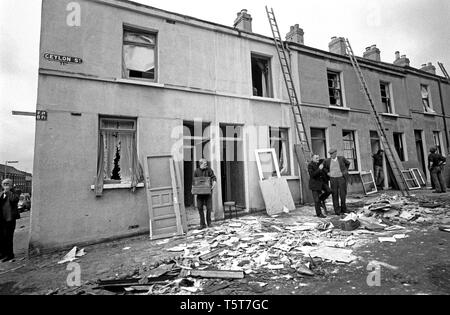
(335, 171)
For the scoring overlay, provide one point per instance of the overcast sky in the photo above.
(418, 28)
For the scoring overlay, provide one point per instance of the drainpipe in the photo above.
(445, 117)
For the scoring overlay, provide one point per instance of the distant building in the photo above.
(121, 84)
(22, 180)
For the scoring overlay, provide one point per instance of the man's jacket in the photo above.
(8, 205)
(344, 164)
(317, 177)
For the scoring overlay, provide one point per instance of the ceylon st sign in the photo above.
(62, 59)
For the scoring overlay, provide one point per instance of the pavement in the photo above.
(416, 264)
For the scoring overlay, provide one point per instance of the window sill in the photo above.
(345, 109)
(140, 82)
(430, 113)
(354, 172)
(118, 186)
(266, 99)
(390, 115)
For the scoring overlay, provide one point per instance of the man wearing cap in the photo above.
(336, 168)
(436, 164)
(9, 198)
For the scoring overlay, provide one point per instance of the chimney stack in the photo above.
(243, 21)
(295, 35)
(372, 53)
(401, 60)
(337, 45)
(428, 68)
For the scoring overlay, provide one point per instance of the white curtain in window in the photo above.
(126, 156)
(138, 58)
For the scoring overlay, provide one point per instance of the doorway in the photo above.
(196, 145)
(232, 164)
(375, 145)
(420, 151)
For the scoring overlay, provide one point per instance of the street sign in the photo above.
(63, 59)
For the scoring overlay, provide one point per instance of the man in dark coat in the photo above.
(436, 164)
(378, 168)
(205, 200)
(318, 183)
(9, 198)
(336, 168)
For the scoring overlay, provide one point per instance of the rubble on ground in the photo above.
(249, 252)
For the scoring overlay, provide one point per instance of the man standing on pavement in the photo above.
(336, 168)
(318, 183)
(436, 164)
(378, 168)
(205, 200)
(9, 198)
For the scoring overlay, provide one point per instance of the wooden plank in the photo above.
(149, 195)
(211, 254)
(176, 200)
(276, 195)
(181, 196)
(221, 274)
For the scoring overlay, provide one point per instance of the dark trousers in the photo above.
(204, 200)
(339, 191)
(438, 179)
(6, 237)
(379, 176)
(320, 196)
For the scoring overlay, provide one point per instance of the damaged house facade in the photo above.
(121, 82)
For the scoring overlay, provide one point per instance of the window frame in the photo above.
(288, 147)
(388, 97)
(112, 183)
(144, 31)
(270, 84)
(338, 75)
(429, 108)
(437, 136)
(356, 162)
(324, 140)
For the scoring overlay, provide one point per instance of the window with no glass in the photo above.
(261, 76)
(139, 54)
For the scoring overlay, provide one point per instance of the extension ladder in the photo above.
(391, 155)
(287, 75)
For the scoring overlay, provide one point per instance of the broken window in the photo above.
(139, 55)
(319, 142)
(279, 140)
(386, 97)
(335, 89)
(399, 146)
(426, 102)
(350, 152)
(117, 154)
(261, 76)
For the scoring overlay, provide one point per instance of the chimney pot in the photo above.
(338, 45)
(243, 21)
(295, 35)
(372, 53)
